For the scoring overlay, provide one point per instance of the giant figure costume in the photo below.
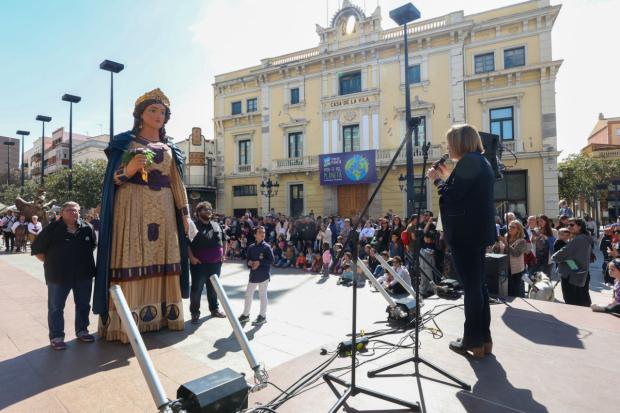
(142, 242)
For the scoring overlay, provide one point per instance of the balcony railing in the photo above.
(427, 25)
(304, 163)
(291, 57)
(383, 158)
(243, 169)
(615, 153)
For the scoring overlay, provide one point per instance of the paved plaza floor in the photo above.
(548, 357)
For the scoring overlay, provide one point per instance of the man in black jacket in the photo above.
(66, 248)
(206, 254)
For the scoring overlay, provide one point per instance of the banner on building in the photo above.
(196, 159)
(348, 168)
(196, 136)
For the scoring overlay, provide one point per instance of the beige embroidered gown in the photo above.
(145, 257)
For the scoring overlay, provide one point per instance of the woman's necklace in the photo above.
(150, 140)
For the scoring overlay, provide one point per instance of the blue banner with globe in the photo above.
(348, 168)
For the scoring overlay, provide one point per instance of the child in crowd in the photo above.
(260, 258)
(614, 306)
(243, 245)
(309, 260)
(337, 269)
(326, 259)
(300, 262)
(396, 246)
(347, 275)
(232, 248)
(277, 252)
(286, 260)
(379, 270)
(317, 263)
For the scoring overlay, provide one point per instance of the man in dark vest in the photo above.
(206, 254)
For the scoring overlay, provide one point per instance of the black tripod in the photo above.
(414, 264)
(351, 389)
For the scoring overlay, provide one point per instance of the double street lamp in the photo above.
(23, 134)
(112, 67)
(403, 15)
(8, 160)
(71, 99)
(268, 189)
(44, 120)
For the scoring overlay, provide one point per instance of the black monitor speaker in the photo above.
(492, 151)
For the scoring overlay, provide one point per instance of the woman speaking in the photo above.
(467, 214)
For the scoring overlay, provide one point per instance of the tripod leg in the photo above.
(461, 383)
(372, 373)
(415, 407)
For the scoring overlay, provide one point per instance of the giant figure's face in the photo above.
(154, 116)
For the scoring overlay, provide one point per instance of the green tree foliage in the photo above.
(580, 174)
(8, 193)
(87, 184)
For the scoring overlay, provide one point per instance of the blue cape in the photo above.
(114, 152)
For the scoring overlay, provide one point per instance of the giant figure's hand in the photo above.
(137, 162)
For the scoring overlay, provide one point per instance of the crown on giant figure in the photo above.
(155, 94)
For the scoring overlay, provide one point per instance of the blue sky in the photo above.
(48, 48)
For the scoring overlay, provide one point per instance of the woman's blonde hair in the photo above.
(520, 230)
(464, 139)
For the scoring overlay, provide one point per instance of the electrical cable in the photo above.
(308, 381)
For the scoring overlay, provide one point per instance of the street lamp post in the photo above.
(268, 189)
(8, 160)
(403, 15)
(112, 67)
(71, 99)
(44, 120)
(23, 134)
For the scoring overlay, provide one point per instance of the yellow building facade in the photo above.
(493, 70)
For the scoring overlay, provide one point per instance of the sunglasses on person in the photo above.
(572, 224)
(616, 232)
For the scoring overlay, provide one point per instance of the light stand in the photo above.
(23, 134)
(44, 120)
(351, 389)
(71, 99)
(112, 67)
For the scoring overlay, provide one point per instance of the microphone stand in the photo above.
(351, 389)
(415, 266)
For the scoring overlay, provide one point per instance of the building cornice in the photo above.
(555, 64)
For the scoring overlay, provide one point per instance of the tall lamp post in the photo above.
(44, 120)
(403, 15)
(112, 67)
(71, 99)
(23, 134)
(268, 189)
(8, 160)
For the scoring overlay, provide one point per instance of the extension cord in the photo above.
(345, 348)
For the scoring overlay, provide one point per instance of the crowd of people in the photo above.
(560, 248)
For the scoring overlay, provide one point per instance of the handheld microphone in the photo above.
(440, 161)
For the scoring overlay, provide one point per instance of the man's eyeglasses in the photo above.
(571, 224)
